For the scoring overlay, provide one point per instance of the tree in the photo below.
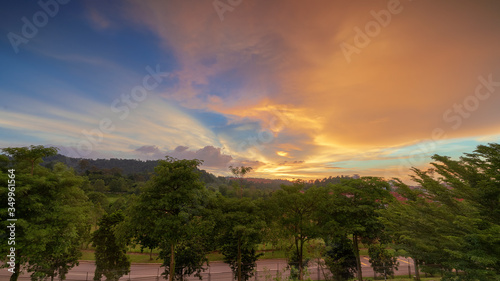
(31, 155)
(189, 254)
(452, 220)
(51, 221)
(294, 211)
(171, 201)
(357, 202)
(110, 253)
(139, 226)
(340, 258)
(239, 226)
(240, 172)
(381, 260)
(100, 186)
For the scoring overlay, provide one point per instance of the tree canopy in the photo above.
(452, 221)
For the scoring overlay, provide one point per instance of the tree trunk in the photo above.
(17, 268)
(241, 188)
(151, 254)
(172, 263)
(358, 259)
(417, 271)
(297, 251)
(301, 265)
(239, 259)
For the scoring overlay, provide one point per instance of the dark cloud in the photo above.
(211, 156)
(148, 149)
(181, 148)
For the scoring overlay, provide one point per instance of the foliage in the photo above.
(240, 172)
(190, 255)
(239, 226)
(30, 155)
(294, 210)
(452, 221)
(340, 258)
(357, 202)
(110, 252)
(169, 208)
(52, 219)
(381, 260)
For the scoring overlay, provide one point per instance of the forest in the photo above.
(448, 221)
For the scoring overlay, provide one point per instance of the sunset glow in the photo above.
(292, 89)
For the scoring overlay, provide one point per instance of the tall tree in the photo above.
(381, 260)
(357, 203)
(110, 253)
(30, 155)
(172, 199)
(452, 220)
(239, 225)
(340, 258)
(294, 211)
(52, 218)
(240, 172)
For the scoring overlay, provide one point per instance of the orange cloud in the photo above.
(392, 93)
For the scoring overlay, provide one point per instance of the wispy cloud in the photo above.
(270, 85)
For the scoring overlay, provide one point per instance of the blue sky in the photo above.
(293, 90)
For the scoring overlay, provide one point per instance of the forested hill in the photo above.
(123, 166)
(130, 167)
(141, 170)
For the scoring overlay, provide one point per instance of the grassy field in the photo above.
(137, 256)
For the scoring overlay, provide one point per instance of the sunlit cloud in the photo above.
(270, 85)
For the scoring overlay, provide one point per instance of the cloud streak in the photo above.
(270, 84)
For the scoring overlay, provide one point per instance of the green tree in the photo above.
(110, 253)
(100, 186)
(240, 227)
(240, 172)
(52, 219)
(171, 203)
(452, 220)
(139, 226)
(190, 253)
(381, 260)
(357, 202)
(30, 155)
(340, 258)
(118, 185)
(294, 211)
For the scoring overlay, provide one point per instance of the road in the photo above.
(218, 271)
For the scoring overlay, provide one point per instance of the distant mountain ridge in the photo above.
(134, 166)
(126, 166)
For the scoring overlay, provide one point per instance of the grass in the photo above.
(403, 278)
(136, 256)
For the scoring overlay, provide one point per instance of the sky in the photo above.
(294, 89)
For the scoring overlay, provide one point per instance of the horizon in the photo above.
(294, 90)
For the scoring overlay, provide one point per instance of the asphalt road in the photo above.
(218, 271)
